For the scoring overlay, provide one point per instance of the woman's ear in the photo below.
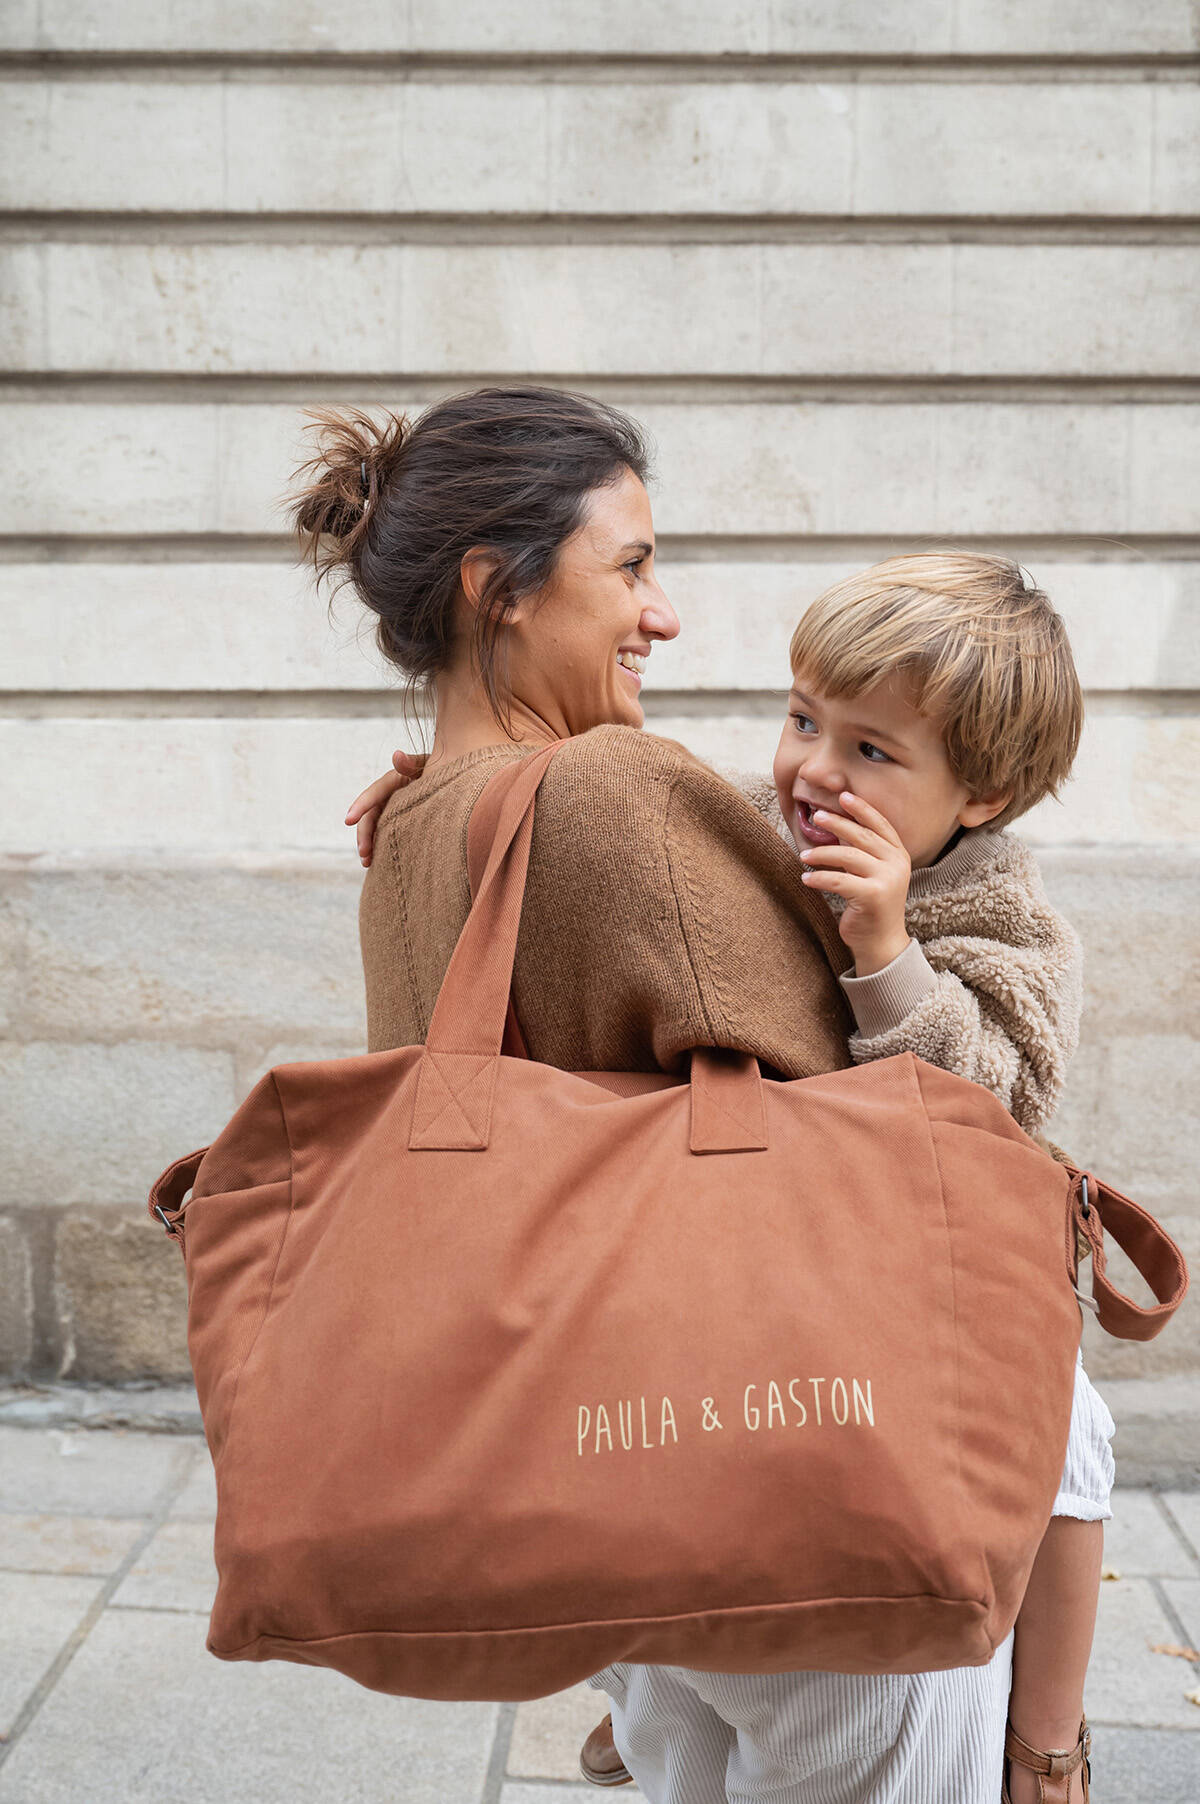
(984, 808)
(475, 571)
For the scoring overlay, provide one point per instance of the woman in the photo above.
(506, 545)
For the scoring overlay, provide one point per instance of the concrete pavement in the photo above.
(107, 1695)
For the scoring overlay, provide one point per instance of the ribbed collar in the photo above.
(977, 847)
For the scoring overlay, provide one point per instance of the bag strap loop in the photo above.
(1096, 1209)
(170, 1187)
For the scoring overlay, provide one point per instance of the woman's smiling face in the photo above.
(576, 650)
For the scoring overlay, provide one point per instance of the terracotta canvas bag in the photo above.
(509, 1373)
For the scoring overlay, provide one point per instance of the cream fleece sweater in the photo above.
(989, 985)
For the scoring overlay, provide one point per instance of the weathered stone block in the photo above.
(213, 957)
(906, 469)
(524, 145)
(808, 310)
(611, 27)
(121, 1293)
(92, 1123)
(16, 1298)
(97, 626)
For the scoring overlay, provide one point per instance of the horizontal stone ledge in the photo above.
(913, 469)
(609, 27)
(985, 148)
(97, 627)
(222, 785)
(262, 960)
(883, 310)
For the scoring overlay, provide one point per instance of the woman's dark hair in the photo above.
(392, 506)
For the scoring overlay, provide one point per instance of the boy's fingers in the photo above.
(850, 832)
(409, 764)
(365, 837)
(838, 858)
(375, 794)
(842, 883)
(869, 816)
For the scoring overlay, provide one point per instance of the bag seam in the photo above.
(941, 1178)
(287, 1222)
(622, 1622)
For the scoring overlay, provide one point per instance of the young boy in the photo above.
(934, 701)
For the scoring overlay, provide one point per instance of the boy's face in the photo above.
(878, 746)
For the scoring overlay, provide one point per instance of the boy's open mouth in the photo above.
(816, 836)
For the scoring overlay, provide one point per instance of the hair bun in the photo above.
(354, 456)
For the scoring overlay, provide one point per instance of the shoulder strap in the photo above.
(1096, 1209)
(481, 833)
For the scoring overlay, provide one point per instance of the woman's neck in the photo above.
(466, 722)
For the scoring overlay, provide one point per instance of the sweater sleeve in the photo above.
(992, 994)
(663, 913)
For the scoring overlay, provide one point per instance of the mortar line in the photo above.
(515, 228)
(1177, 1528)
(29, 1710)
(530, 67)
(497, 1766)
(1174, 1618)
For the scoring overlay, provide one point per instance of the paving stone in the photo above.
(1140, 1542)
(1185, 1507)
(92, 1473)
(72, 1545)
(1127, 1684)
(1144, 1766)
(38, 1611)
(198, 1497)
(1185, 1597)
(175, 1572)
(552, 1794)
(549, 1732)
(145, 1715)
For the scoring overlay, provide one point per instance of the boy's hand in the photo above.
(366, 808)
(871, 869)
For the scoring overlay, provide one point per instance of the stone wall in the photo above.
(872, 275)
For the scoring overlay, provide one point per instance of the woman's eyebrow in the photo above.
(638, 545)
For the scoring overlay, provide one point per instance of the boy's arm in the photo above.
(996, 1000)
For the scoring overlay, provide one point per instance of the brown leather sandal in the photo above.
(1056, 1768)
(599, 1761)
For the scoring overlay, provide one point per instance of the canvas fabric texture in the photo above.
(511, 1373)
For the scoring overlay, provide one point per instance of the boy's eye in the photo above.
(803, 722)
(866, 748)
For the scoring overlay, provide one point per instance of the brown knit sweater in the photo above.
(661, 913)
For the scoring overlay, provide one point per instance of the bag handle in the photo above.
(481, 834)
(1097, 1207)
(473, 1019)
(452, 1109)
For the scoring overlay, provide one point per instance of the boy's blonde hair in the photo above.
(985, 656)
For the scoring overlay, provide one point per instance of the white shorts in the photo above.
(692, 1737)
